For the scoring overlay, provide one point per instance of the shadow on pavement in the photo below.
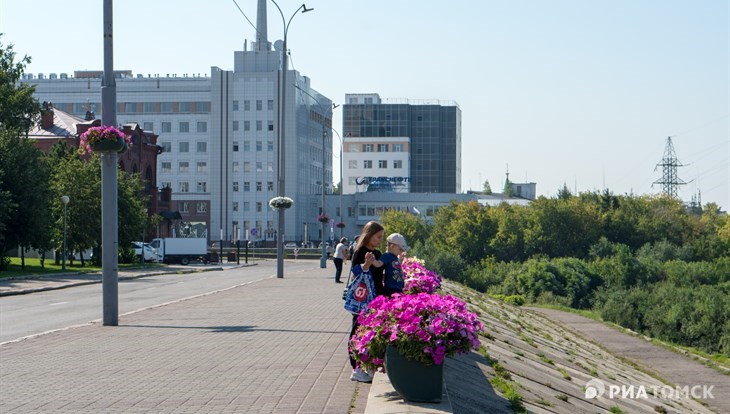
(242, 328)
(469, 389)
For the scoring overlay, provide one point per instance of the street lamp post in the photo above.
(323, 259)
(281, 168)
(341, 178)
(64, 199)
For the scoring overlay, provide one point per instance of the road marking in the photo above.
(58, 303)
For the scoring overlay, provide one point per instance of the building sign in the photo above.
(384, 184)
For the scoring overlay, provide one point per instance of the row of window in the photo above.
(369, 164)
(259, 105)
(247, 226)
(259, 125)
(378, 147)
(200, 206)
(247, 206)
(184, 186)
(202, 166)
(259, 146)
(182, 127)
(259, 186)
(202, 146)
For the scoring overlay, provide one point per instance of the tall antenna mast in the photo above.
(669, 181)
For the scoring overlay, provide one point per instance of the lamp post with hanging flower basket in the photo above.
(104, 139)
(324, 219)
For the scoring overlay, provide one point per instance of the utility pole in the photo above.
(670, 181)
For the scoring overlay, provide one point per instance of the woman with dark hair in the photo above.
(367, 248)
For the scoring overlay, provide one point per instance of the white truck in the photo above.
(181, 250)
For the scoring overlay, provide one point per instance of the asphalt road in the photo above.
(35, 313)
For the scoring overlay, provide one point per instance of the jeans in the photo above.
(338, 266)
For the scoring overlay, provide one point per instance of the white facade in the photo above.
(219, 135)
(381, 161)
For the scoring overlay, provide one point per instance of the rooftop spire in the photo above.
(262, 41)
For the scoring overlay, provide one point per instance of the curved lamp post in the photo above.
(64, 199)
(342, 179)
(323, 259)
(281, 170)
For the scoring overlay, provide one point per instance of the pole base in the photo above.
(323, 263)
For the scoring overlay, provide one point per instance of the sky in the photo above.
(561, 92)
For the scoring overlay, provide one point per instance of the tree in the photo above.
(24, 176)
(487, 187)
(464, 229)
(19, 110)
(411, 226)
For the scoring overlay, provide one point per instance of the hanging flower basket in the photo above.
(323, 218)
(104, 139)
(277, 203)
(340, 225)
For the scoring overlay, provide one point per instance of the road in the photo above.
(35, 313)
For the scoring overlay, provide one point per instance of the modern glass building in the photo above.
(434, 130)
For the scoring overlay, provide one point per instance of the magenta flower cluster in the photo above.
(423, 327)
(418, 279)
(97, 134)
(323, 218)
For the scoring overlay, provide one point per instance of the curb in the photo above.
(90, 282)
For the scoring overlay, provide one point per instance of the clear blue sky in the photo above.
(577, 92)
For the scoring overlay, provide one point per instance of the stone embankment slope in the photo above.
(531, 363)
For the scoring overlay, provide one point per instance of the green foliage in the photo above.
(19, 110)
(464, 229)
(412, 227)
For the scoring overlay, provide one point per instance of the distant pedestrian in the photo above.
(340, 258)
(365, 252)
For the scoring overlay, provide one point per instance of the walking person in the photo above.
(366, 252)
(340, 258)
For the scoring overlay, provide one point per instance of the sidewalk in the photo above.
(275, 345)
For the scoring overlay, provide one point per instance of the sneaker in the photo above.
(361, 376)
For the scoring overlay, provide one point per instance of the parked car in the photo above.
(290, 245)
(149, 253)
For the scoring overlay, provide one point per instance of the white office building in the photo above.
(219, 135)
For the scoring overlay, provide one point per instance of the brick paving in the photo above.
(272, 346)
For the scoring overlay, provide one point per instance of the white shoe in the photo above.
(361, 376)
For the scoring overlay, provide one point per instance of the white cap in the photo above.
(398, 239)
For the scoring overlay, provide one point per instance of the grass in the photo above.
(616, 410)
(565, 374)
(508, 389)
(33, 267)
(562, 397)
(545, 359)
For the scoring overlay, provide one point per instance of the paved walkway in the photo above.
(275, 345)
(675, 368)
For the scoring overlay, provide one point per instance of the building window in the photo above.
(398, 164)
(183, 107)
(270, 166)
(270, 104)
(184, 146)
(246, 186)
(259, 206)
(235, 125)
(202, 126)
(202, 167)
(235, 105)
(367, 147)
(354, 148)
(149, 126)
(166, 146)
(202, 187)
(246, 166)
(259, 186)
(367, 164)
(201, 207)
(259, 105)
(352, 164)
(271, 125)
(382, 163)
(235, 166)
(350, 211)
(246, 146)
(259, 125)
(166, 107)
(202, 146)
(235, 186)
(382, 147)
(183, 206)
(184, 126)
(246, 125)
(235, 146)
(259, 146)
(183, 167)
(167, 127)
(270, 146)
(235, 206)
(246, 206)
(259, 166)
(270, 186)
(184, 187)
(166, 167)
(246, 105)
(397, 147)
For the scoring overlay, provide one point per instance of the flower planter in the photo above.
(413, 380)
(108, 145)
